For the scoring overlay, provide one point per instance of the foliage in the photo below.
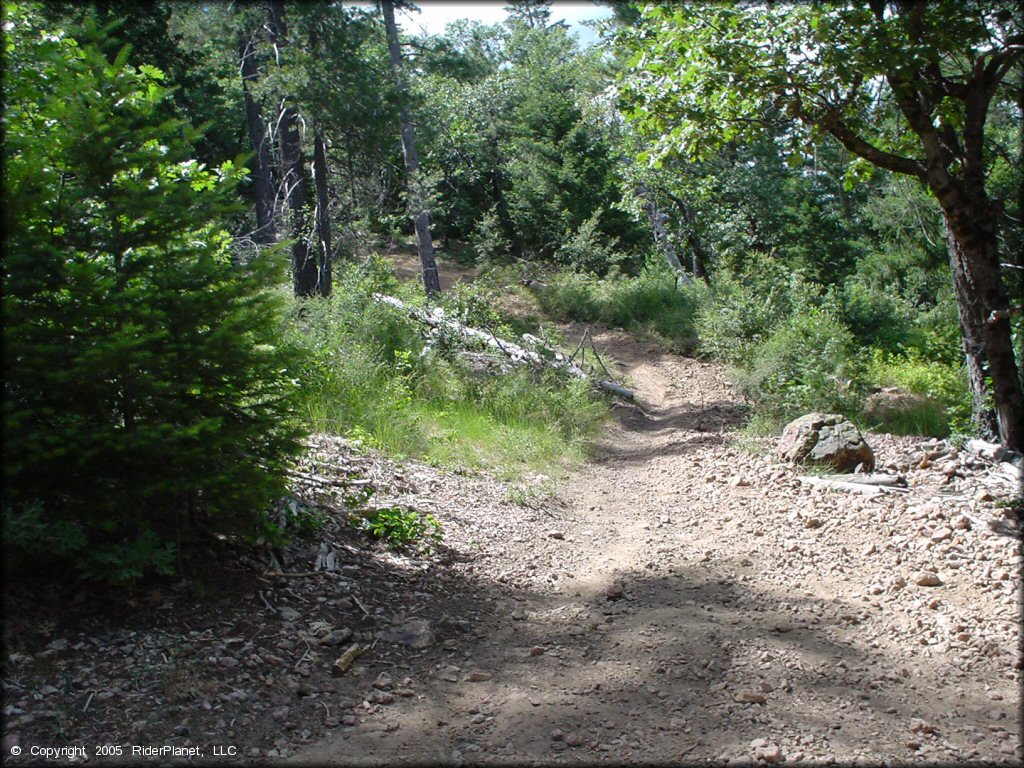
(806, 363)
(400, 526)
(881, 318)
(371, 376)
(944, 384)
(745, 303)
(143, 376)
(524, 143)
(490, 243)
(653, 301)
(908, 88)
(588, 249)
(814, 68)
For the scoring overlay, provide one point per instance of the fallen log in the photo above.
(615, 389)
(842, 485)
(871, 479)
(343, 482)
(1009, 472)
(994, 452)
(516, 353)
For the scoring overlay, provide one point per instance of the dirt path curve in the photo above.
(682, 600)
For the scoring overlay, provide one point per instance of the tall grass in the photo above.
(652, 302)
(370, 375)
(944, 408)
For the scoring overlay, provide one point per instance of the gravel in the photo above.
(682, 597)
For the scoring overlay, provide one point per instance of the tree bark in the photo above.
(657, 221)
(304, 268)
(323, 223)
(417, 204)
(262, 179)
(987, 339)
(698, 253)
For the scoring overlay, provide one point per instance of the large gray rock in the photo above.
(826, 438)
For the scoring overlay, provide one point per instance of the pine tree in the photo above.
(142, 375)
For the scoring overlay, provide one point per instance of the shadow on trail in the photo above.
(706, 417)
(691, 663)
(642, 453)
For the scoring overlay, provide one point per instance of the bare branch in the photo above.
(1003, 314)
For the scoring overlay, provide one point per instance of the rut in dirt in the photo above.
(682, 599)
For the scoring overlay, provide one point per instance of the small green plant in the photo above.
(303, 519)
(32, 539)
(400, 526)
(531, 495)
(126, 561)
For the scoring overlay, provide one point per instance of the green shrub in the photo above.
(948, 410)
(143, 374)
(878, 318)
(489, 241)
(588, 249)
(806, 363)
(652, 301)
(739, 312)
(400, 526)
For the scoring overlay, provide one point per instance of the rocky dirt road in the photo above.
(679, 599)
(682, 600)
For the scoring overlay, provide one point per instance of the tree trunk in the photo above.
(698, 253)
(657, 221)
(987, 339)
(417, 204)
(262, 181)
(304, 269)
(323, 223)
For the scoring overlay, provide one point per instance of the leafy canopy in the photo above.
(704, 75)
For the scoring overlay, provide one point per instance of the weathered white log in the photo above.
(321, 480)
(984, 448)
(871, 479)
(518, 354)
(1010, 471)
(840, 485)
(995, 452)
(615, 389)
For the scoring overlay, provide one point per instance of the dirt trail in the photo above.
(678, 599)
(682, 600)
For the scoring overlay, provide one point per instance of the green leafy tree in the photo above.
(521, 129)
(903, 86)
(144, 389)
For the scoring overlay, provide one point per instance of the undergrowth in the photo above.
(654, 302)
(372, 376)
(944, 406)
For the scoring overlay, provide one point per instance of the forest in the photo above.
(239, 232)
(170, 167)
